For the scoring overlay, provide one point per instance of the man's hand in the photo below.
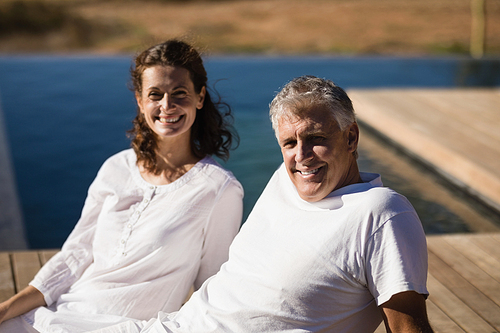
(406, 313)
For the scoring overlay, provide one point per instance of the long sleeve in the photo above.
(223, 225)
(64, 268)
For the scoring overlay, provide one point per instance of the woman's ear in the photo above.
(201, 97)
(138, 99)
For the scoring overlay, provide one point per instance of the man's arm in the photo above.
(406, 313)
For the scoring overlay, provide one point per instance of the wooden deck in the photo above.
(18, 268)
(463, 280)
(454, 131)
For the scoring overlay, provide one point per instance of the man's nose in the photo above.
(304, 152)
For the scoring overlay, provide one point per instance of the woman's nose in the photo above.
(166, 102)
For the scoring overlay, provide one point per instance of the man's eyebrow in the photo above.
(287, 139)
(284, 140)
(314, 132)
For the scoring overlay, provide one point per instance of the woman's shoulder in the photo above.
(123, 160)
(115, 171)
(213, 171)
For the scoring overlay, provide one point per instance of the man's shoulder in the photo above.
(382, 201)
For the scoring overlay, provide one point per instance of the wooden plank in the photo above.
(490, 243)
(45, 255)
(7, 288)
(467, 270)
(440, 321)
(462, 290)
(25, 265)
(475, 108)
(461, 112)
(475, 253)
(464, 317)
(496, 237)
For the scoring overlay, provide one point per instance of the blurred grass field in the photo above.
(339, 27)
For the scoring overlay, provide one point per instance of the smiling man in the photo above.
(325, 249)
(318, 154)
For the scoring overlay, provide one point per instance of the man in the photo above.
(325, 249)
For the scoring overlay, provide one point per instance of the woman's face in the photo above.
(168, 101)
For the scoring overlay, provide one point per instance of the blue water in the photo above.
(66, 115)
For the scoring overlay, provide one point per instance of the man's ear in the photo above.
(353, 137)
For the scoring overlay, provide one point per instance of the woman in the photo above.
(158, 218)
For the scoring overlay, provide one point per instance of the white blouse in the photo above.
(138, 248)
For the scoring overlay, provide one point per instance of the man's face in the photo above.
(317, 154)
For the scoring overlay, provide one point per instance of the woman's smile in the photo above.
(169, 102)
(169, 120)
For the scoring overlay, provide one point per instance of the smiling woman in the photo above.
(172, 76)
(168, 103)
(158, 218)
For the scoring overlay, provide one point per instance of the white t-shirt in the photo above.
(138, 248)
(297, 266)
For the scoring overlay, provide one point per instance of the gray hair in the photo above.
(305, 91)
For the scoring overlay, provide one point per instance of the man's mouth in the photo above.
(164, 120)
(309, 172)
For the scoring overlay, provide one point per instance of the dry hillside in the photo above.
(406, 27)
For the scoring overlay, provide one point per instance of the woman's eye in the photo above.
(155, 95)
(179, 94)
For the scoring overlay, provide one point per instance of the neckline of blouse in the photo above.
(173, 185)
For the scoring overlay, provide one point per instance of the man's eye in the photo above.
(289, 144)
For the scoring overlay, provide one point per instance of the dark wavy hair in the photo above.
(212, 132)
